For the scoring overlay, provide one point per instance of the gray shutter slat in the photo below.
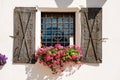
(25, 9)
(91, 22)
(24, 34)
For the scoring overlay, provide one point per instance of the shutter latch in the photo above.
(12, 36)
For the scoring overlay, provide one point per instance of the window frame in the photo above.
(62, 15)
(77, 23)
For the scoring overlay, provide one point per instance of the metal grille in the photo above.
(57, 28)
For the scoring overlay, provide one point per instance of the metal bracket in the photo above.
(103, 39)
(12, 36)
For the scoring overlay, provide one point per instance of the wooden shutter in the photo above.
(24, 35)
(91, 22)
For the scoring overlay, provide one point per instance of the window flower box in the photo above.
(55, 57)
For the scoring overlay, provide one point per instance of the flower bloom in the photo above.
(37, 56)
(48, 58)
(55, 57)
(62, 69)
(74, 57)
(3, 59)
(59, 46)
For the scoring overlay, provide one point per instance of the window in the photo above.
(57, 28)
(49, 26)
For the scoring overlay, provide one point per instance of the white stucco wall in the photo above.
(109, 69)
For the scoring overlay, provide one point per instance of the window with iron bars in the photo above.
(57, 28)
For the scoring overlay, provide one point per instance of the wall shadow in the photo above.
(71, 68)
(1, 67)
(93, 64)
(40, 72)
(63, 3)
(95, 3)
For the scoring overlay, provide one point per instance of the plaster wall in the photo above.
(109, 69)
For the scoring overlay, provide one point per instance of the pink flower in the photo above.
(49, 65)
(58, 56)
(58, 62)
(60, 52)
(50, 47)
(59, 46)
(41, 51)
(48, 58)
(54, 63)
(62, 69)
(62, 64)
(37, 56)
(53, 54)
(74, 57)
(79, 49)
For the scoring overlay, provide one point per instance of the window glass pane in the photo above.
(60, 20)
(57, 28)
(54, 20)
(48, 26)
(71, 25)
(43, 32)
(43, 26)
(43, 38)
(48, 32)
(54, 26)
(71, 20)
(66, 33)
(43, 19)
(65, 20)
(71, 32)
(48, 20)
(60, 26)
(65, 25)
(49, 39)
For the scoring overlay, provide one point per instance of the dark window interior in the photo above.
(57, 28)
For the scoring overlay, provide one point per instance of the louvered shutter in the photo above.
(91, 28)
(24, 35)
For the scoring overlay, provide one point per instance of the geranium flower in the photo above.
(55, 57)
(74, 57)
(59, 46)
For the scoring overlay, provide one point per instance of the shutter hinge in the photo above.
(12, 36)
(103, 39)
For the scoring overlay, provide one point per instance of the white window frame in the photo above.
(77, 23)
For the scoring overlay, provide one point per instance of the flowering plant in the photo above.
(56, 57)
(3, 59)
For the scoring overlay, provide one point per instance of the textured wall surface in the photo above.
(109, 69)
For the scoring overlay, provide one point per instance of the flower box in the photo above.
(55, 57)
